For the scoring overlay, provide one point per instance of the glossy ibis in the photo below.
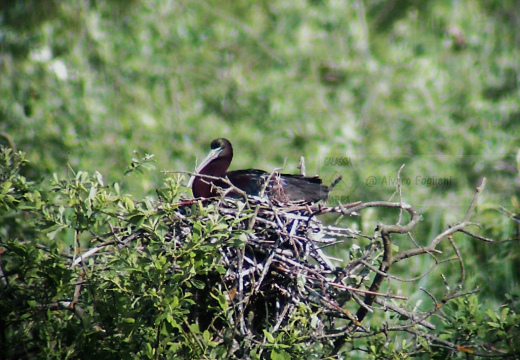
(283, 187)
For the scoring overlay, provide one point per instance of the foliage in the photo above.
(127, 305)
(89, 272)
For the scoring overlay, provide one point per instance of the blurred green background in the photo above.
(430, 84)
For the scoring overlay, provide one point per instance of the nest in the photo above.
(279, 268)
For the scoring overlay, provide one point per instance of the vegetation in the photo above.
(89, 90)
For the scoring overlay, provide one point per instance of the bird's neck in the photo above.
(217, 167)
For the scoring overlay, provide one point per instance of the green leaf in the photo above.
(503, 314)
(137, 220)
(198, 284)
(279, 354)
(206, 336)
(269, 336)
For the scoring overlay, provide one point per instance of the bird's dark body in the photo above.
(283, 187)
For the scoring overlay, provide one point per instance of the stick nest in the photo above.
(278, 268)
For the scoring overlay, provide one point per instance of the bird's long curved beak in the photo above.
(213, 154)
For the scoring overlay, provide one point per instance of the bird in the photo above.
(282, 187)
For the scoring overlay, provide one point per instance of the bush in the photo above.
(89, 272)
